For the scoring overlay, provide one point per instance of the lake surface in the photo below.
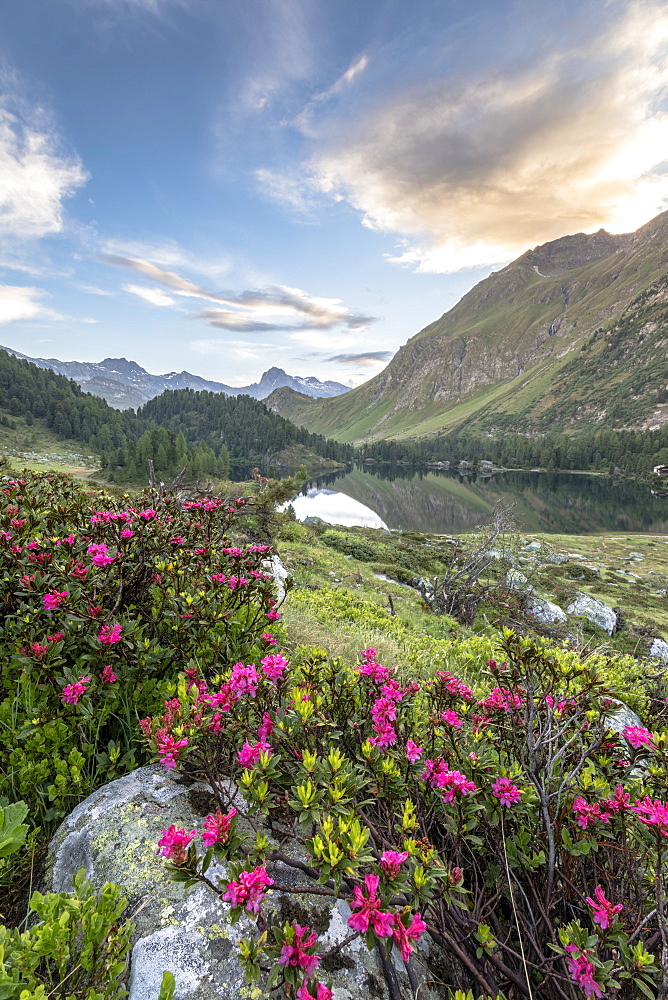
(445, 502)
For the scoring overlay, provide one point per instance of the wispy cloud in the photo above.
(152, 295)
(37, 175)
(471, 168)
(255, 310)
(367, 358)
(19, 302)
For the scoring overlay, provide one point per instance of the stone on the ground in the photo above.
(533, 546)
(659, 649)
(517, 581)
(545, 611)
(114, 835)
(594, 610)
(557, 558)
(279, 574)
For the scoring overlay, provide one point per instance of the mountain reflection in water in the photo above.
(445, 502)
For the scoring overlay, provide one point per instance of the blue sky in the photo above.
(222, 187)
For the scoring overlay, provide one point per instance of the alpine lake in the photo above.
(447, 502)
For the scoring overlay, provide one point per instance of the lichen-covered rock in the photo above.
(533, 546)
(545, 611)
(279, 573)
(659, 649)
(114, 835)
(557, 558)
(518, 581)
(594, 610)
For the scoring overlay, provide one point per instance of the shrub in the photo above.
(517, 831)
(104, 601)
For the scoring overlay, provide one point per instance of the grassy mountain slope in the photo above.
(495, 359)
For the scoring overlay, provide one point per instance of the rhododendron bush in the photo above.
(105, 599)
(513, 837)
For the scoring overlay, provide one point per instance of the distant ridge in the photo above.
(572, 336)
(125, 384)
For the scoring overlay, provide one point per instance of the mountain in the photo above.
(570, 336)
(126, 384)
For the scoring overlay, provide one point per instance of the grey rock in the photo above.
(114, 835)
(621, 717)
(545, 611)
(517, 581)
(636, 555)
(594, 610)
(533, 546)
(278, 572)
(659, 649)
(312, 519)
(662, 592)
(557, 558)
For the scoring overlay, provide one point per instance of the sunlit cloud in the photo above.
(472, 171)
(152, 295)
(18, 302)
(367, 358)
(254, 310)
(36, 176)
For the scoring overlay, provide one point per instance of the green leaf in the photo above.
(13, 831)
(167, 986)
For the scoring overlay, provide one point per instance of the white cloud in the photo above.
(253, 310)
(152, 295)
(35, 176)
(472, 171)
(19, 302)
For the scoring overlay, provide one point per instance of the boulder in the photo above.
(278, 573)
(517, 581)
(532, 546)
(114, 835)
(594, 610)
(659, 649)
(545, 611)
(557, 558)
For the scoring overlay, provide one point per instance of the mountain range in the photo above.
(126, 384)
(570, 336)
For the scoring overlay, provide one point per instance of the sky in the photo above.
(222, 187)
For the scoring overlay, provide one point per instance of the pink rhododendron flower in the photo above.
(502, 699)
(322, 992)
(603, 909)
(217, 827)
(147, 515)
(268, 638)
(56, 637)
(452, 719)
(618, 801)
(169, 750)
(249, 890)
(249, 754)
(110, 634)
(174, 844)
(273, 616)
(295, 954)
(93, 610)
(73, 692)
(506, 792)
(99, 554)
(274, 666)
(127, 533)
(391, 862)
(235, 552)
(244, 680)
(638, 737)
(404, 935)
(54, 599)
(369, 909)
(223, 699)
(582, 970)
(588, 815)
(266, 727)
(107, 675)
(652, 813)
(454, 686)
(413, 751)
(38, 650)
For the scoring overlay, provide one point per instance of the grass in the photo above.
(38, 449)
